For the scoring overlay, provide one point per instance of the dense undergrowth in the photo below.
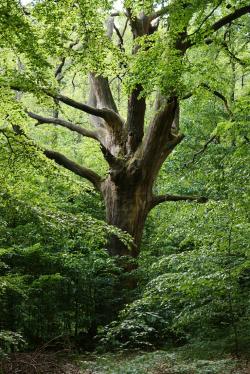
(59, 284)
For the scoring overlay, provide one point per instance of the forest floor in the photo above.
(178, 361)
(160, 362)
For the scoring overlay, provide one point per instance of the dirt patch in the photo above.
(38, 363)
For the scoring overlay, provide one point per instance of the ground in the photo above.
(159, 362)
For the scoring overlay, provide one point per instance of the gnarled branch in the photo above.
(163, 198)
(63, 123)
(231, 17)
(86, 173)
(112, 118)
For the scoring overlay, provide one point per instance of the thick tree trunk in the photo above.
(127, 205)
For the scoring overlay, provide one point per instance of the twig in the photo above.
(206, 18)
(202, 150)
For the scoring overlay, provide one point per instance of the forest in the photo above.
(124, 187)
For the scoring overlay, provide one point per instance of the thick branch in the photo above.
(231, 17)
(139, 25)
(222, 22)
(159, 131)
(163, 198)
(102, 92)
(135, 118)
(112, 118)
(86, 173)
(92, 101)
(136, 104)
(110, 27)
(63, 123)
(116, 14)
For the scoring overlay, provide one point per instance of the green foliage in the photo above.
(198, 289)
(44, 294)
(194, 267)
(158, 362)
(9, 342)
(56, 278)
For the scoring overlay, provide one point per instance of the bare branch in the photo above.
(73, 81)
(125, 27)
(116, 14)
(202, 150)
(86, 173)
(139, 26)
(163, 198)
(219, 95)
(58, 71)
(92, 101)
(110, 27)
(63, 123)
(111, 117)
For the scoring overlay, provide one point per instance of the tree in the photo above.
(163, 35)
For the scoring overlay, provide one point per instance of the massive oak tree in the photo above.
(145, 48)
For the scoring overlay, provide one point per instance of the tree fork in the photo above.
(134, 158)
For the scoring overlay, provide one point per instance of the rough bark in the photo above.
(127, 205)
